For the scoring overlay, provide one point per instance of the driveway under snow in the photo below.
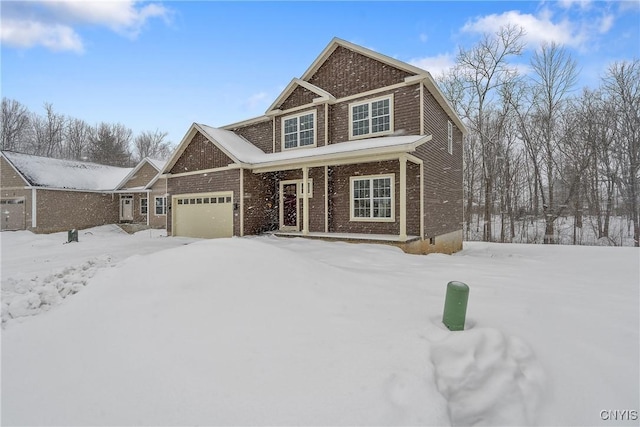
(270, 331)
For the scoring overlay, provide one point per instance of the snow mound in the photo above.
(488, 378)
(37, 295)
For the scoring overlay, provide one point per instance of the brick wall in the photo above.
(200, 154)
(65, 210)
(12, 187)
(259, 134)
(340, 193)
(143, 176)
(347, 73)
(299, 96)
(443, 172)
(159, 189)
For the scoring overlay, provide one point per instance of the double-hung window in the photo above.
(161, 206)
(370, 118)
(372, 198)
(144, 206)
(299, 130)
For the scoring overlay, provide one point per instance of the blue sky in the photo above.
(163, 65)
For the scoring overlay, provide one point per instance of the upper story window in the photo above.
(371, 117)
(299, 130)
(450, 137)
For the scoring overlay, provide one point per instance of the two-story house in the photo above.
(361, 147)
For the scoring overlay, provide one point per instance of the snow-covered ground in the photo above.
(273, 331)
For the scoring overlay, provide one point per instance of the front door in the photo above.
(289, 203)
(126, 208)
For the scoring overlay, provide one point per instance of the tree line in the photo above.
(539, 149)
(58, 136)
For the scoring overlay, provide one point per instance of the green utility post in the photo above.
(455, 306)
(72, 236)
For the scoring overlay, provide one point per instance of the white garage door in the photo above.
(204, 215)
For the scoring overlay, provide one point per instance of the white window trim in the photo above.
(393, 198)
(298, 115)
(155, 205)
(147, 212)
(449, 137)
(369, 101)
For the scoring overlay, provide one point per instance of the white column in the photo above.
(241, 202)
(305, 200)
(326, 199)
(403, 198)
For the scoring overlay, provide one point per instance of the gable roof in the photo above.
(158, 165)
(335, 42)
(323, 95)
(65, 174)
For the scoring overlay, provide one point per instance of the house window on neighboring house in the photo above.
(144, 206)
(372, 198)
(450, 137)
(161, 205)
(373, 117)
(299, 130)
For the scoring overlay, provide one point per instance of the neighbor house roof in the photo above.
(65, 174)
(158, 165)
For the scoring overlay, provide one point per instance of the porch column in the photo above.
(305, 200)
(403, 198)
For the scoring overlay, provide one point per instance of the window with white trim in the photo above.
(450, 137)
(372, 198)
(144, 206)
(299, 130)
(161, 205)
(372, 117)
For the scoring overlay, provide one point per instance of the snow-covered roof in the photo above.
(158, 164)
(246, 152)
(58, 173)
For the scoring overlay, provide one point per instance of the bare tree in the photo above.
(77, 139)
(541, 128)
(48, 133)
(483, 69)
(14, 124)
(151, 144)
(622, 84)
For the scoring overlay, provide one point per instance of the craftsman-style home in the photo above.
(361, 147)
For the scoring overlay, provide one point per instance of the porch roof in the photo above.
(249, 154)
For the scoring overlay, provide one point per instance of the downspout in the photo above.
(241, 195)
(326, 199)
(403, 198)
(34, 208)
(305, 200)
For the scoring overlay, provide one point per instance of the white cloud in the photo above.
(26, 34)
(435, 65)
(568, 4)
(605, 23)
(539, 29)
(52, 23)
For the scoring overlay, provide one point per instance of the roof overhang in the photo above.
(321, 156)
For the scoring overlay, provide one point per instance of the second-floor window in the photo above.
(372, 117)
(299, 131)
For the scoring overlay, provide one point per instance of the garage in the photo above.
(13, 215)
(205, 215)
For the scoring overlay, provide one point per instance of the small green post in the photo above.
(455, 306)
(72, 236)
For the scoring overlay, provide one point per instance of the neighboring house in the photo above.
(138, 202)
(362, 147)
(48, 195)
